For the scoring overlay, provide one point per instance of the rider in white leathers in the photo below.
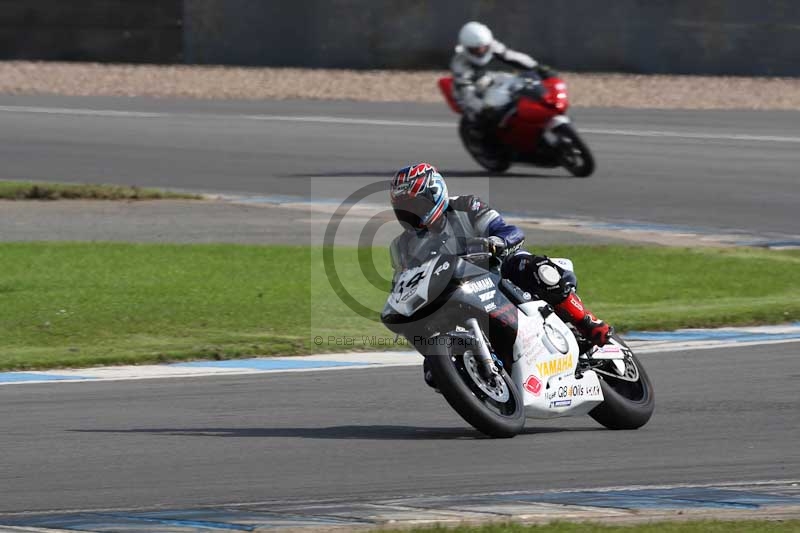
(476, 49)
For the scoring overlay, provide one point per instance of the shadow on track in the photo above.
(334, 432)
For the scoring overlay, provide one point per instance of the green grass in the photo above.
(79, 304)
(698, 526)
(669, 288)
(21, 190)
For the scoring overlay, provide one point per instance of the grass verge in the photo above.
(81, 304)
(22, 190)
(699, 526)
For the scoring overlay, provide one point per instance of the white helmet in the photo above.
(476, 39)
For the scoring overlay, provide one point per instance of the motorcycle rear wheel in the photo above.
(626, 404)
(574, 154)
(494, 410)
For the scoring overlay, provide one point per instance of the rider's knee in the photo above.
(539, 275)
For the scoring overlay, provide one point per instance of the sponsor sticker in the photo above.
(533, 385)
(441, 268)
(555, 366)
(479, 285)
(560, 403)
(576, 391)
(487, 296)
(611, 349)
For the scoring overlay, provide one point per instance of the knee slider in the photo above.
(552, 280)
(548, 275)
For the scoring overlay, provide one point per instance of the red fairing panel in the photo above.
(446, 86)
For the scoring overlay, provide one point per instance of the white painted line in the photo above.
(352, 121)
(596, 131)
(81, 112)
(666, 347)
(24, 529)
(693, 135)
(324, 119)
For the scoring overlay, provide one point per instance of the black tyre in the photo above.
(574, 155)
(493, 409)
(629, 400)
(488, 155)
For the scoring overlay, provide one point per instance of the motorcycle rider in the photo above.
(421, 203)
(475, 50)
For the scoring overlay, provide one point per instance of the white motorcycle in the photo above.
(498, 354)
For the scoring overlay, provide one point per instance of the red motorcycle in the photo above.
(533, 127)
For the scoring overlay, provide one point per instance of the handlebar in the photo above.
(477, 256)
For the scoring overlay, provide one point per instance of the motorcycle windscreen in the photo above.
(416, 287)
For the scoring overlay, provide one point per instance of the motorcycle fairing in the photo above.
(478, 294)
(564, 263)
(614, 352)
(446, 86)
(545, 358)
(415, 287)
(417, 307)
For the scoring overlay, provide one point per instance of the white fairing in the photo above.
(411, 287)
(546, 356)
(614, 353)
(564, 263)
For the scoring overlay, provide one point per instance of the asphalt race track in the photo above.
(721, 415)
(733, 170)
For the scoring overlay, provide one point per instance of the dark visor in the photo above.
(411, 211)
(478, 50)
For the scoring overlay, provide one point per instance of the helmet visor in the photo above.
(412, 211)
(478, 51)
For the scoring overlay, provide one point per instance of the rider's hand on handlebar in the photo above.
(498, 245)
(545, 71)
(492, 245)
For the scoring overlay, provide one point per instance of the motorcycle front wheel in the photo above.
(629, 398)
(494, 407)
(492, 158)
(574, 154)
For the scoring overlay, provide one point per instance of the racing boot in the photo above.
(591, 327)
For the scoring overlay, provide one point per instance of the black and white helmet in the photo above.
(476, 40)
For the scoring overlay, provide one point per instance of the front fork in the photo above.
(549, 135)
(487, 367)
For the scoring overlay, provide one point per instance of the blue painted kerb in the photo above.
(710, 335)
